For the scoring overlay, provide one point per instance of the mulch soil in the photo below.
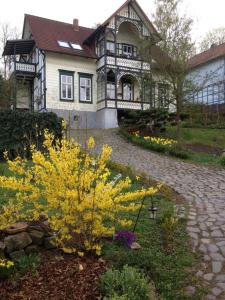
(204, 149)
(59, 277)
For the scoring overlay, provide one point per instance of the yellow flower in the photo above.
(91, 143)
(76, 195)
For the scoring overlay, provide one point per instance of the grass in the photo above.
(208, 137)
(169, 270)
(192, 156)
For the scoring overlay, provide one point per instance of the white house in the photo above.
(207, 71)
(83, 74)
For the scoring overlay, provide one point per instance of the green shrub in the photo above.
(20, 129)
(178, 152)
(152, 120)
(30, 262)
(222, 161)
(125, 284)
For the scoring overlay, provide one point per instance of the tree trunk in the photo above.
(178, 121)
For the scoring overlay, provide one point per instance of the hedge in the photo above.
(18, 130)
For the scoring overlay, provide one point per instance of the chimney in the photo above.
(76, 24)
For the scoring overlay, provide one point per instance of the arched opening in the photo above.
(128, 39)
(129, 88)
(111, 85)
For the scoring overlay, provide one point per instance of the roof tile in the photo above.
(47, 32)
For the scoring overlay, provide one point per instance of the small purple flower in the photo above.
(127, 238)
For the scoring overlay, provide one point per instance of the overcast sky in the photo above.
(207, 14)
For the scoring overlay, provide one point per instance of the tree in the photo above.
(6, 32)
(4, 92)
(175, 49)
(215, 36)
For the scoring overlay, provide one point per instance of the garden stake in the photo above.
(139, 212)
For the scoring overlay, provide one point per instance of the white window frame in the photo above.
(87, 85)
(66, 81)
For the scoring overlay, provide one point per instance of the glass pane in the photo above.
(63, 78)
(88, 94)
(82, 81)
(82, 93)
(127, 91)
(63, 44)
(69, 91)
(88, 82)
(63, 91)
(69, 79)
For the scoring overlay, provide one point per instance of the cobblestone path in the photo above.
(202, 187)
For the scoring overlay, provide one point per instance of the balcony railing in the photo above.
(123, 104)
(123, 62)
(23, 68)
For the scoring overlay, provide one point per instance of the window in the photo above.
(110, 47)
(111, 89)
(63, 44)
(127, 50)
(76, 46)
(100, 48)
(128, 91)
(66, 85)
(85, 88)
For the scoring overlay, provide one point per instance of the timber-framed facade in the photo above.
(86, 74)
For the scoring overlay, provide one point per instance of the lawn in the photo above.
(201, 146)
(172, 268)
(210, 137)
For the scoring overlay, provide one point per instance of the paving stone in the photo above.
(205, 241)
(210, 297)
(203, 248)
(205, 234)
(222, 243)
(220, 278)
(208, 276)
(213, 248)
(222, 249)
(202, 187)
(216, 291)
(221, 285)
(216, 266)
(216, 233)
(207, 258)
(216, 256)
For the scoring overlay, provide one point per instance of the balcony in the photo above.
(23, 69)
(123, 104)
(123, 63)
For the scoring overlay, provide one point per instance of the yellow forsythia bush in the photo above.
(73, 190)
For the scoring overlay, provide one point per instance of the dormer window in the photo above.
(70, 45)
(63, 44)
(76, 46)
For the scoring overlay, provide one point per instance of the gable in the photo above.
(132, 12)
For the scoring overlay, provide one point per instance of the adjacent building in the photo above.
(207, 72)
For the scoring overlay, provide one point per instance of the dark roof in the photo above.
(18, 47)
(206, 56)
(47, 32)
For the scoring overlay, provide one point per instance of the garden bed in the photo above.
(58, 277)
(191, 151)
(165, 257)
